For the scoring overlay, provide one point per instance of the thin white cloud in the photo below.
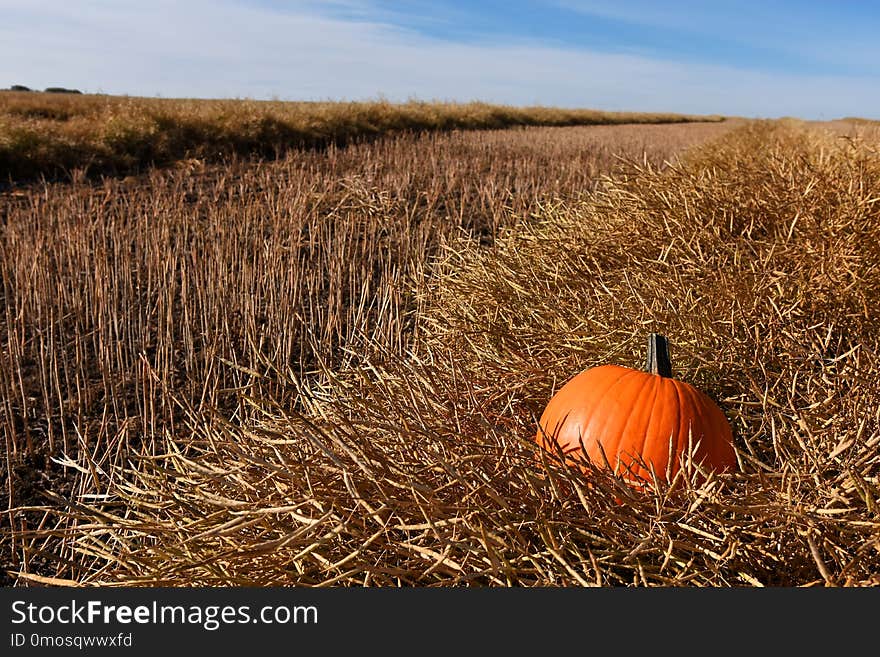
(226, 49)
(685, 16)
(831, 34)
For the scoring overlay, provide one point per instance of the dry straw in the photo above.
(414, 465)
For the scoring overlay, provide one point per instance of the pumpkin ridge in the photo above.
(622, 431)
(699, 411)
(649, 380)
(715, 448)
(678, 431)
(597, 406)
(597, 403)
(653, 407)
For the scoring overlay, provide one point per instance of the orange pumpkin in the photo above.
(635, 421)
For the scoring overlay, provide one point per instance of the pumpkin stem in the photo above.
(658, 356)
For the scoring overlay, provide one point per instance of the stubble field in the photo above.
(326, 369)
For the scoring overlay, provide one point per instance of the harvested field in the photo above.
(68, 135)
(280, 397)
(131, 303)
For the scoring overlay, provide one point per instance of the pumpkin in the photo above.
(636, 421)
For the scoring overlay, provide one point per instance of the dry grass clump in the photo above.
(55, 134)
(757, 256)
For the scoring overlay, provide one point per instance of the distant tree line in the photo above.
(48, 90)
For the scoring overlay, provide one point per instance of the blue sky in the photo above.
(808, 59)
